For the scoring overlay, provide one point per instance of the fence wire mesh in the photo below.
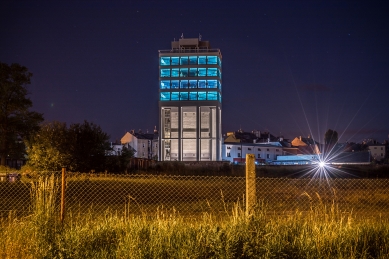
(195, 195)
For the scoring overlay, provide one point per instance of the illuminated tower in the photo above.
(190, 101)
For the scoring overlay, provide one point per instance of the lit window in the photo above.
(174, 96)
(202, 60)
(183, 72)
(212, 83)
(212, 60)
(184, 96)
(174, 84)
(165, 84)
(193, 96)
(184, 61)
(202, 84)
(175, 61)
(212, 96)
(202, 72)
(165, 96)
(202, 96)
(165, 72)
(212, 72)
(175, 72)
(192, 83)
(193, 60)
(192, 72)
(165, 61)
(184, 84)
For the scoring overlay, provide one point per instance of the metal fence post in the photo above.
(250, 183)
(63, 190)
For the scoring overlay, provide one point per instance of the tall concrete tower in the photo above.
(190, 101)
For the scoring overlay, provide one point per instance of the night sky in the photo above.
(294, 68)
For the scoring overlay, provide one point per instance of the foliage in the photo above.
(81, 147)
(331, 137)
(119, 163)
(16, 121)
(88, 147)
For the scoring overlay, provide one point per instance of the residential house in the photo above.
(144, 145)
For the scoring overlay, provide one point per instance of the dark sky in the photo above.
(294, 68)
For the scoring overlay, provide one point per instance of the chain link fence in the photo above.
(195, 195)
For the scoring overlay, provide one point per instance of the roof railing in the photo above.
(189, 50)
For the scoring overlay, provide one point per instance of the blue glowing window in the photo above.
(165, 96)
(184, 84)
(212, 96)
(165, 72)
(175, 84)
(202, 96)
(175, 96)
(165, 84)
(165, 61)
(212, 72)
(184, 61)
(202, 83)
(219, 85)
(212, 60)
(192, 72)
(202, 72)
(202, 60)
(175, 72)
(212, 83)
(220, 97)
(184, 96)
(193, 60)
(175, 61)
(193, 96)
(219, 61)
(192, 83)
(183, 72)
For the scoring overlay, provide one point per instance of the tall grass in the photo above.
(322, 232)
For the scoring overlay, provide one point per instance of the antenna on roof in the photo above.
(182, 35)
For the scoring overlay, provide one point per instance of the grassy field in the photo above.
(320, 232)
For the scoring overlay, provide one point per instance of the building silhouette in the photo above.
(190, 101)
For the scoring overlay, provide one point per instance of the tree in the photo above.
(81, 147)
(16, 121)
(331, 137)
(88, 146)
(49, 148)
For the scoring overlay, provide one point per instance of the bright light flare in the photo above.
(322, 164)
